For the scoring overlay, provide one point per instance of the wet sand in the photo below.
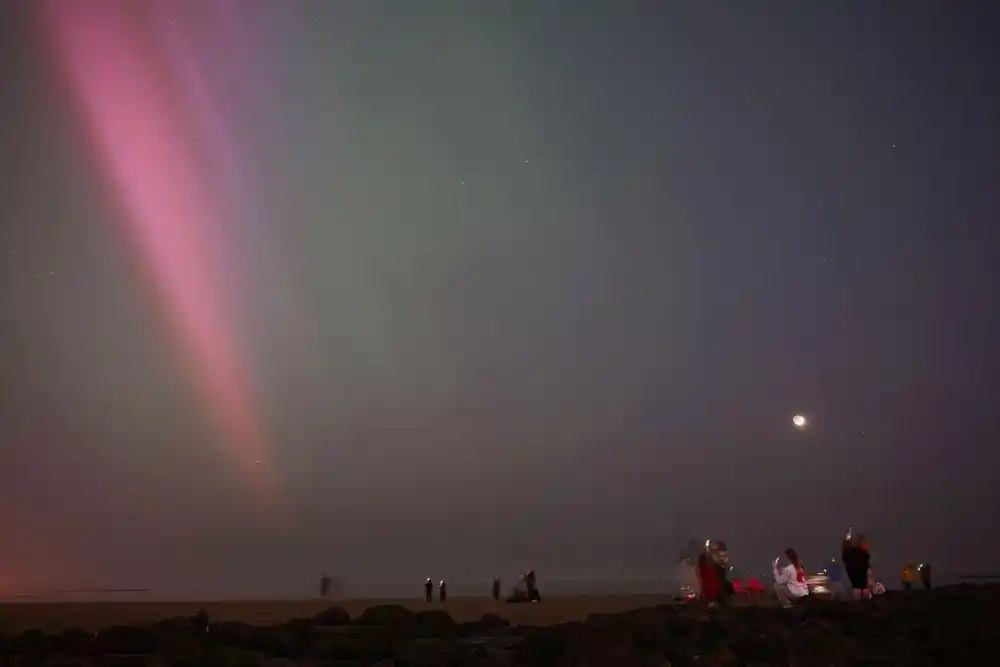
(16, 617)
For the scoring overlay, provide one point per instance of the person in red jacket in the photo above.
(709, 579)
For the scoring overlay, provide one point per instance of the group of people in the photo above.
(429, 590)
(790, 581)
(912, 572)
(526, 590)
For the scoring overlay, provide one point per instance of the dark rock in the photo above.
(332, 617)
(280, 641)
(436, 623)
(231, 634)
(34, 644)
(235, 657)
(77, 642)
(183, 651)
(138, 660)
(126, 640)
(428, 653)
(547, 646)
(363, 649)
(387, 615)
(177, 625)
(488, 625)
(949, 626)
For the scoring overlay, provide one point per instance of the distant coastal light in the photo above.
(800, 421)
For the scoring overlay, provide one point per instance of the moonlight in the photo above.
(800, 422)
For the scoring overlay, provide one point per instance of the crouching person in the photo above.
(790, 579)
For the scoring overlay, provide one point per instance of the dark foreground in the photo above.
(952, 626)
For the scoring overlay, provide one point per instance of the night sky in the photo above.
(454, 288)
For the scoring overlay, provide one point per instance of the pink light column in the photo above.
(172, 206)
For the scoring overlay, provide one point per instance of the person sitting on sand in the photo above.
(790, 580)
(708, 580)
(857, 563)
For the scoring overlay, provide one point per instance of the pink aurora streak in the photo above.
(135, 102)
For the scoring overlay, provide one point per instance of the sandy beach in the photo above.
(56, 616)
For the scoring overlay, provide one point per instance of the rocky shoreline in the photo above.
(958, 625)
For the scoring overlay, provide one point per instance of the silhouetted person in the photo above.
(429, 590)
(201, 620)
(857, 563)
(725, 586)
(324, 586)
(443, 591)
(925, 575)
(531, 583)
(906, 577)
(496, 588)
(708, 579)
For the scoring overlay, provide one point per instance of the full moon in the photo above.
(799, 421)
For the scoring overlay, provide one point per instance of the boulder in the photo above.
(435, 623)
(547, 646)
(33, 644)
(74, 642)
(386, 615)
(491, 624)
(231, 634)
(333, 616)
(126, 640)
(345, 648)
(235, 657)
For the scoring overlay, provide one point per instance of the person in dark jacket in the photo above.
(531, 584)
(443, 591)
(496, 588)
(857, 563)
(429, 590)
(925, 575)
(201, 620)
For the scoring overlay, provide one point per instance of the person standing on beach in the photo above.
(906, 577)
(708, 580)
(857, 563)
(925, 575)
(443, 591)
(201, 620)
(496, 589)
(429, 590)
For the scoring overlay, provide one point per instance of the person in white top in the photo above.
(790, 579)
